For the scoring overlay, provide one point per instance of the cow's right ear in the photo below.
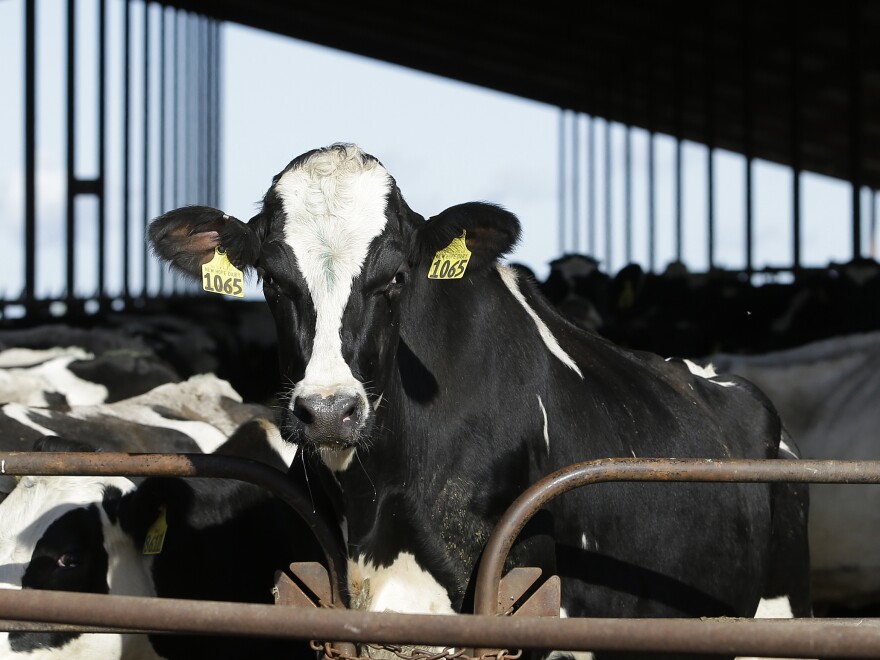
(186, 238)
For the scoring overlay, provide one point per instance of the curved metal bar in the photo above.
(802, 638)
(647, 469)
(189, 465)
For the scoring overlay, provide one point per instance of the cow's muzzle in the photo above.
(329, 420)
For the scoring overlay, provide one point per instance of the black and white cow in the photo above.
(225, 539)
(59, 366)
(435, 402)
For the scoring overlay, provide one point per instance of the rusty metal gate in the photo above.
(501, 625)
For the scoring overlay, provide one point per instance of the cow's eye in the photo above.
(68, 560)
(398, 279)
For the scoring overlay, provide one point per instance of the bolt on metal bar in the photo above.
(839, 638)
(187, 465)
(647, 469)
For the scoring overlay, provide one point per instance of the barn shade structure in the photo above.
(794, 83)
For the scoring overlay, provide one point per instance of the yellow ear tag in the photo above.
(220, 276)
(156, 534)
(450, 262)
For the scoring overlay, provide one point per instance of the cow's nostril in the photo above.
(349, 413)
(304, 412)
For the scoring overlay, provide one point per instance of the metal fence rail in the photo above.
(841, 638)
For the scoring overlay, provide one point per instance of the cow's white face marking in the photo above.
(334, 206)
(546, 434)
(404, 586)
(25, 515)
(508, 276)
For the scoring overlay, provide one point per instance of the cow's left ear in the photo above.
(139, 510)
(186, 238)
(490, 232)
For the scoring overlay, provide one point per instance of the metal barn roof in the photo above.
(796, 83)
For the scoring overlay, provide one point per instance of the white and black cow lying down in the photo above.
(60, 366)
(435, 402)
(826, 393)
(225, 539)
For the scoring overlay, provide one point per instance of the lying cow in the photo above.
(827, 393)
(59, 366)
(436, 386)
(225, 539)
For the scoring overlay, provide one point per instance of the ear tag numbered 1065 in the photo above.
(450, 262)
(220, 276)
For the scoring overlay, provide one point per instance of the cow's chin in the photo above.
(336, 453)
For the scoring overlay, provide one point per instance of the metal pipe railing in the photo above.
(647, 469)
(803, 638)
(841, 638)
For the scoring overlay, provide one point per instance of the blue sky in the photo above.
(444, 142)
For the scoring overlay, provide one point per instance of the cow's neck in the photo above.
(433, 416)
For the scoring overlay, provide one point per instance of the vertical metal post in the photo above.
(627, 198)
(796, 128)
(146, 155)
(748, 121)
(126, 147)
(855, 124)
(30, 151)
(70, 230)
(561, 181)
(592, 201)
(711, 89)
(162, 126)
(575, 184)
(608, 205)
(679, 138)
(102, 149)
(218, 108)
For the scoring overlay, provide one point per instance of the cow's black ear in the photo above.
(56, 443)
(186, 238)
(490, 232)
(139, 509)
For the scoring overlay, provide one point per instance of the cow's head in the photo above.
(337, 248)
(61, 533)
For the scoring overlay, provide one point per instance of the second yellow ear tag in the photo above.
(450, 262)
(156, 534)
(220, 276)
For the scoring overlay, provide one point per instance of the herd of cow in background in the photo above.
(148, 384)
(178, 383)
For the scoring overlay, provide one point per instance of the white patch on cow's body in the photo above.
(19, 413)
(287, 450)
(404, 586)
(334, 206)
(546, 434)
(708, 372)
(774, 608)
(509, 277)
(785, 448)
(584, 541)
(28, 385)
(205, 435)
